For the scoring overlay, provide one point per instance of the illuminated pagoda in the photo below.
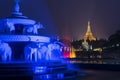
(89, 34)
(25, 53)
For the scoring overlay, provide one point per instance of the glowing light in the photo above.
(60, 76)
(72, 53)
(40, 69)
(65, 52)
(98, 49)
(14, 38)
(117, 45)
(89, 35)
(21, 21)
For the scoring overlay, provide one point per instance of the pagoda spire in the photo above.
(88, 34)
(16, 10)
(16, 7)
(88, 29)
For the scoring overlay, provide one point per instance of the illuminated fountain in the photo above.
(23, 52)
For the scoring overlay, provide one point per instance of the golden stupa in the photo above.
(88, 34)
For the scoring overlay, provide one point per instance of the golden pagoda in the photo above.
(89, 35)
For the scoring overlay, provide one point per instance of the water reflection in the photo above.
(92, 61)
(49, 77)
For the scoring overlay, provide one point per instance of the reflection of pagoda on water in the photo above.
(88, 34)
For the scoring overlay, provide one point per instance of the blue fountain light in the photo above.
(40, 69)
(28, 52)
(16, 8)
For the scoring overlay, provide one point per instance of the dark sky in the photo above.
(69, 18)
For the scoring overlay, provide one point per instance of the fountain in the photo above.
(25, 53)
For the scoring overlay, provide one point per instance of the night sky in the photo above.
(68, 18)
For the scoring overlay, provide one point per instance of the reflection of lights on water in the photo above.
(73, 61)
(58, 76)
(43, 77)
(86, 62)
(40, 69)
(48, 76)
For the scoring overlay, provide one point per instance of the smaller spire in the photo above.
(16, 10)
(89, 23)
(16, 7)
(88, 29)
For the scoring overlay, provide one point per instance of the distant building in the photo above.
(89, 34)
